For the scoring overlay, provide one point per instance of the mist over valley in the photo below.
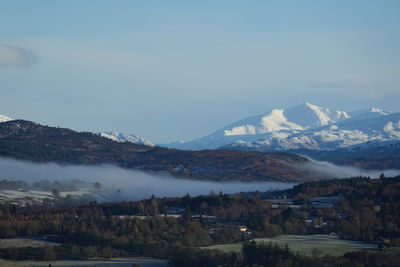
(124, 184)
(200, 133)
(112, 183)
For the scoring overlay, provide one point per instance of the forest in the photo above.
(176, 228)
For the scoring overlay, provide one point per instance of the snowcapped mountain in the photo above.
(124, 137)
(276, 123)
(4, 118)
(304, 126)
(337, 135)
(298, 118)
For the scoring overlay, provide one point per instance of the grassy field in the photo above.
(117, 262)
(235, 247)
(24, 242)
(326, 244)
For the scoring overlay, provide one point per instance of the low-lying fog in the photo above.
(331, 170)
(135, 185)
(126, 184)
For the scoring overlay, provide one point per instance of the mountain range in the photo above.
(302, 127)
(113, 135)
(27, 140)
(368, 138)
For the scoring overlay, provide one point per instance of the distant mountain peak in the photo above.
(309, 115)
(272, 121)
(303, 126)
(124, 137)
(297, 118)
(4, 118)
(380, 111)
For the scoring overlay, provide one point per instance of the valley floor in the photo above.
(304, 244)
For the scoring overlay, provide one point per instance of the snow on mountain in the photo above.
(304, 126)
(371, 113)
(124, 137)
(4, 118)
(275, 124)
(300, 117)
(334, 136)
(311, 116)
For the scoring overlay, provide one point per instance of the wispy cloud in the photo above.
(16, 56)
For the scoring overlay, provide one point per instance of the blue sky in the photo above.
(177, 70)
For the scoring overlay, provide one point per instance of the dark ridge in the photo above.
(27, 140)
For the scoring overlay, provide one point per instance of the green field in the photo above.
(327, 244)
(235, 247)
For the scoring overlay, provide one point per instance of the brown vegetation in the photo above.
(27, 140)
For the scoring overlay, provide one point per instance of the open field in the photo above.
(24, 242)
(235, 247)
(37, 197)
(117, 262)
(327, 244)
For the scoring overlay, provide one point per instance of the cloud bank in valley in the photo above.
(328, 169)
(125, 184)
(132, 185)
(16, 56)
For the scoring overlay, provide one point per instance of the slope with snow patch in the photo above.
(4, 118)
(124, 137)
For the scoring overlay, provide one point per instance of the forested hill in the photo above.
(26, 140)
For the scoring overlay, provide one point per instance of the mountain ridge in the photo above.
(30, 141)
(304, 126)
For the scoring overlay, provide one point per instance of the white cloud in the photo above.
(15, 56)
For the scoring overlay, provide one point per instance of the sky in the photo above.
(178, 70)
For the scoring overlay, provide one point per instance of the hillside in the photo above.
(369, 155)
(30, 141)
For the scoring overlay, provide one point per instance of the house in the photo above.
(324, 202)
